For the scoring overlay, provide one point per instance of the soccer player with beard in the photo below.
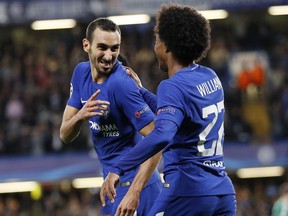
(104, 95)
(189, 125)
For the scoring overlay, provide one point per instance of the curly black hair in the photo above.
(185, 32)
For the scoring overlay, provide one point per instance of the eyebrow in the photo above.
(105, 45)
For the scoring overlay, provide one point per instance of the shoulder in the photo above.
(81, 71)
(206, 70)
(120, 79)
(82, 67)
(172, 82)
(168, 88)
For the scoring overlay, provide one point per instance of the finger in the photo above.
(110, 196)
(132, 72)
(119, 211)
(129, 213)
(101, 102)
(102, 196)
(96, 106)
(93, 97)
(127, 68)
(93, 111)
(108, 192)
(129, 72)
(122, 212)
(112, 188)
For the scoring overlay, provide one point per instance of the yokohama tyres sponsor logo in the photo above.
(107, 130)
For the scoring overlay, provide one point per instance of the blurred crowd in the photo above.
(35, 71)
(254, 198)
(36, 67)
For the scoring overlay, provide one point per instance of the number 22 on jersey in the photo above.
(216, 148)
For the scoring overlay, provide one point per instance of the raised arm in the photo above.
(148, 96)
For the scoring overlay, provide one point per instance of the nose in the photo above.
(109, 55)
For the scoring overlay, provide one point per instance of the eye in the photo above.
(102, 47)
(115, 48)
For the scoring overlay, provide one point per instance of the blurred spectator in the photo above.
(251, 82)
(255, 197)
(14, 109)
(284, 107)
(280, 207)
(34, 80)
(219, 57)
(35, 69)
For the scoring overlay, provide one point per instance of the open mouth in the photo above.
(106, 65)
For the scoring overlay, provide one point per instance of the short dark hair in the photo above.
(122, 58)
(185, 32)
(104, 24)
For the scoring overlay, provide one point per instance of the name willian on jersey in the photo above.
(209, 86)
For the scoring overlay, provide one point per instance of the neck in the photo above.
(97, 78)
(173, 66)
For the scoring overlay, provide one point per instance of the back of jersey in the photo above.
(194, 158)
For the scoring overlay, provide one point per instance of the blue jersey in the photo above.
(194, 157)
(115, 134)
(189, 127)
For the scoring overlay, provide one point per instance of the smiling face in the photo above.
(103, 51)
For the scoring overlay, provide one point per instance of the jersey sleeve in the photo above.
(74, 99)
(170, 103)
(132, 103)
(149, 98)
(154, 142)
(168, 120)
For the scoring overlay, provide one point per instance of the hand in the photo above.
(134, 76)
(129, 203)
(93, 107)
(108, 188)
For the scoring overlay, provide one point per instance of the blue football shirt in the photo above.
(113, 136)
(189, 127)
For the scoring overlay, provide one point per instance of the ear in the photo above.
(86, 45)
(166, 48)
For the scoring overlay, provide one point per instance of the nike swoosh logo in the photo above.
(82, 101)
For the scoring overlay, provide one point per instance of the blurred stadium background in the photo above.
(39, 175)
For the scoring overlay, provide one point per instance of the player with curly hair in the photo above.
(189, 125)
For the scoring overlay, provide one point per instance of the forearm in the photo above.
(70, 129)
(146, 148)
(145, 172)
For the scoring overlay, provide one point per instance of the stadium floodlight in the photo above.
(92, 182)
(15, 187)
(53, 24)
(214, 14)
(260, 172)
(130, 19)
(278, 10)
